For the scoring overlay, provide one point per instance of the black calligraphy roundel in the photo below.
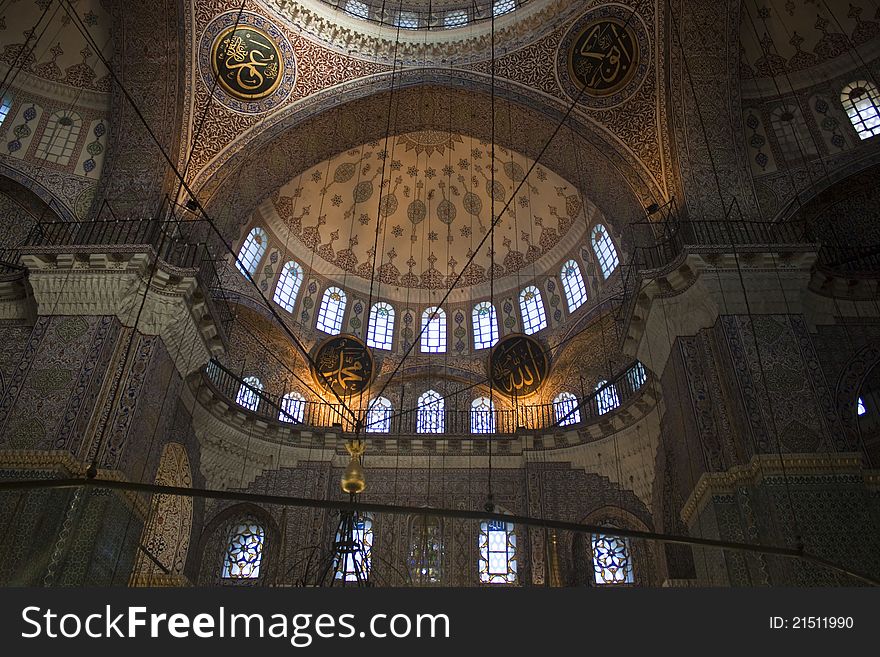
(247, 62)
(518, 365)
(603, 57)
(343, 364)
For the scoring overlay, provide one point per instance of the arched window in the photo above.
(434, 331)
(249, 393)
(531, 305)
(381, 329)
(426, 549)
(288, 285)
(503, 6)
(565, 408)
(252, 251)
(862, 104)
(5, 106)
(408, 20)
(482, 415)
(379, 416)
(485, 325)
(612, 563)
(358, 557)
(604, 249)
(59, 137)
(573, 284)
(637, 375)
(430, 413)
(497, 552)
(455, 18)
(792, 134)
(293, 407)
(607, 397)
(861, 409)
(331, 311)
(357, 8)
(244, 551)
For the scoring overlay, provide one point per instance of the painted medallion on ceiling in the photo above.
(343, 365)
(518, 365)
(604, 57)
(247, 62)
(414, 212)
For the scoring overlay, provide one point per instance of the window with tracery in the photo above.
(861, 409)
(252, 251)
(357, 559)
(426, 549)
(434, 331)
(497, 552)
(408, 20)
(637, 375)
(288, 286)
(792, 134)
(243, 557)
(293, 407)
(565, 408)
(59, 137)
(482, 415)
(573, 285)
(606, 398)
(604, 249)
(612, 562)
(503, 7)
(381, 329)
(249, 393)
(430, 417)
(455, 18)
(379, 416)
(531, 305)
(357, 8)
(331, 311)
(861, 101)
(485, 325)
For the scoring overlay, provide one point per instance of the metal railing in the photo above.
(455, 418)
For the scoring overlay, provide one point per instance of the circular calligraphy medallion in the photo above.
(518, 365)
(247, 62)
(343, 364)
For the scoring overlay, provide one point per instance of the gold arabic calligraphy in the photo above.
(247, 63)
(518, 367)
(603, 57)
(344, 367)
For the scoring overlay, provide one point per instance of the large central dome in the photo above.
(431, 193)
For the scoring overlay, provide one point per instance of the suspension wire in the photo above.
(24, 55)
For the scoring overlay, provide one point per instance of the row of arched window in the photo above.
(410, 20)
(243, 557)
(380, 327)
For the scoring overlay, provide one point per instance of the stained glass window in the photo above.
(606, 397)
(503, 7)
(357, 557)
(565, 407)
(379, 415)
(249, 393)
(381, 329)
(455, 18)
(434, 336)
(357, 8)
(430, 413)
(861, 409)
(792, 134)
(244, 551)
(573, 285)
(485, 325)
(861, 101)
(288, 285)
(604, 249)
(637, 375)
(426, 549)
(331, 311)
(252, 250)
(531, 306)
(612, 563)
(497, 552)
(293, 406)
(5, 106)
(482, 415)
(59, 137)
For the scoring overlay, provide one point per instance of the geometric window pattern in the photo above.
(861, 409)
(607, 397)
(573, 284)
(5, 106)
(497, 552)
(792, 134)
(293, 406)
(357, 8)
(426, 549)
(485, 325)
(408, 20)
(379, 416)
(430, 413)
(60, 137)
(455, 18)
(288, 286)
(532, 307)
(249, 393)
(434, 331)
(503, 7)
(381, 328)
(565, 407)
(604, 249)
(244, 552)
(331, 311)
(359, 557)
(861, 101)
(611, 560)
(482, 416)
(252, 251)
